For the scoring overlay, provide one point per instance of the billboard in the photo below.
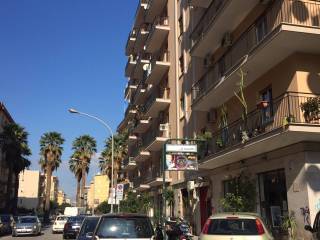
(181, 157)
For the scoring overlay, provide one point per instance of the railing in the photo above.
(132, 34)
(128, 160)
(282, 111)
(204, 22)
(161, 93)
(129, 108)
(303, 13)
(152, 134)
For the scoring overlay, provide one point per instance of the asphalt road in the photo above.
(46, 235)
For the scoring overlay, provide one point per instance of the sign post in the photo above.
(177, 155)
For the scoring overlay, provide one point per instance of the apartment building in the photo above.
(61, 199)
(5, 118)
(29, 189)
(98, 191)
(268, 53)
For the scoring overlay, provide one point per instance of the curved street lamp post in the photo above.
(71, 110)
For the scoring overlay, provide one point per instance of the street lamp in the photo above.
(71, 110)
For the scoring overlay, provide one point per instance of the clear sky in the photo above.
(57, 54)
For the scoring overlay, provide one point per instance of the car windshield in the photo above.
(88, 225)
(5, 218)
(28, 220)
(61, 218)
(125, 227)
(75, 219)
(233, 227)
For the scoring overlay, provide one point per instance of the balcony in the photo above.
(158, 33)
(130, 89)
(130, 66)
(209, 32)
(142, 64)
(282, 125)
(140, 155)
(140, 13)
(154, 139)
(131, 111)
(158, 68)
(138, 186)
(132, 139)
(157, 103)
(130, 42)
(141, 38)
(155, 178)
(129, 164)
(154, 9)
(141, 92)
(255, 50)
(141, 125)
(200, 3)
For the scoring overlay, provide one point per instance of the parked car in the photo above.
(6, 221)
(27, 225)
(87, 228)
(72, 227)
(235, 226)
(315, 230)
(59, 223)
(124, 226)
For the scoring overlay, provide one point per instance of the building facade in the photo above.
(54, 188)
(29, 190)
(61, 199)
(98, 191)
(5, 118)
(186, 61)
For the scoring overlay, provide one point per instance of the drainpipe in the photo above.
(176, 61)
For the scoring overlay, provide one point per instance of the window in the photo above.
(182, 106)
(261, 29)
(181, 65)
(267, 112)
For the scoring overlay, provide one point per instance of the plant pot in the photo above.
(262, 104)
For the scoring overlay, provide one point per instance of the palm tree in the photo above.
(16, 149)
(120, 153)
(84, 147)
(76, 168)
(51, 151)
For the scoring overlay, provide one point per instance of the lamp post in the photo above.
(71, 110)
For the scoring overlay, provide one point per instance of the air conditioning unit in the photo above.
(208, 60)
(212, 115)
(164, 127)
(227, 40)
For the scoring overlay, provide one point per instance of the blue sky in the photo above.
(60, 54)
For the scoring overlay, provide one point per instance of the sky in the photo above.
(57, 54)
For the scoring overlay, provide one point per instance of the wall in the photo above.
(28, 193)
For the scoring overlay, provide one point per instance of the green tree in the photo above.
(120, 153)
(103, 208)
(84, 148)
(75, 167)
(169, 196)
(51, 151)
(16, 150)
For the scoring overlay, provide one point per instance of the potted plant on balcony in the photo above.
(240, 96)
(289, 224)
(311, 109)
(262, 104)
(205, 138)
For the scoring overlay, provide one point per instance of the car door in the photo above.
(316, 227)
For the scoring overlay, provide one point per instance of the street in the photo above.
(46, 235)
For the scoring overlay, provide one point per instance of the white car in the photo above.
(59, 223)
(236, 226)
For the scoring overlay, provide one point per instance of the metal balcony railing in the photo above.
(282, 111)
(161, 93)
(302, 13)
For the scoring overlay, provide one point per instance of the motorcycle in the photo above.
(178, 229)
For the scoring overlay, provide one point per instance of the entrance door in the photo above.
(205, 205)
(273, 197)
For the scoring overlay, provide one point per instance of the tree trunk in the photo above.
(48, 190)
(83, 179)
(16, 189)
(78, 191)
(9, 204)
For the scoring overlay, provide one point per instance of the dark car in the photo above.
(315, 230)
(124, 226)
(72, 227)
(87, 228)
(6, 221)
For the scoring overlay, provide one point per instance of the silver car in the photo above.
(27, 225)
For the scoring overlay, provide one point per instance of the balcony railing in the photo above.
(163, 94)
(302, 13)
(152, 134)
(281, 112)
(204, 22)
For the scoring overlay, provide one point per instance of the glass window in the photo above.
(88, 225)
(125, 227)
(181, 64)
(233, 227)
(28, 220)
(261, 29)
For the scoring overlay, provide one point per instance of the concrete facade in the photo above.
(210, 43)
(29, 186)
